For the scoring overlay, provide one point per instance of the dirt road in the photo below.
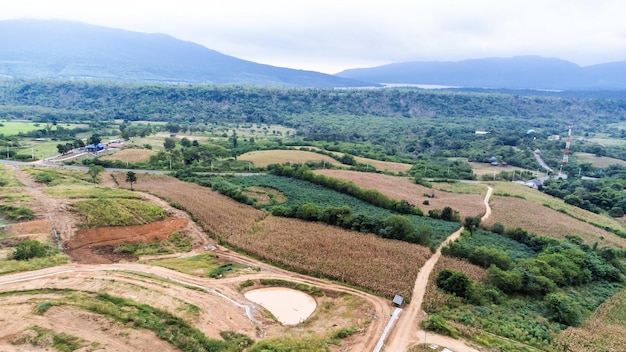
(407, 332)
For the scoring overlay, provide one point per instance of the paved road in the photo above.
(114, 169)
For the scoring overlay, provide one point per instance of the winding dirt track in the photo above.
(405, 334)
(408, 332)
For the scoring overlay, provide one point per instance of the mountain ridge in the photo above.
(66, 49)
(57, 49)
(518, 72)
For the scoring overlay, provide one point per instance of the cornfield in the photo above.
(604, 331)
(383, 266)
(539, 219)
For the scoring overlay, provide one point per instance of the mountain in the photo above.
(70, 50)
(521, 72)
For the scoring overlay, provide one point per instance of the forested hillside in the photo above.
(407, 123)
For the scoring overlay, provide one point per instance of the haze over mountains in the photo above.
(63, 49)
(521, 72)
(71, 50)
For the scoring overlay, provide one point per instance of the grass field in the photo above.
(263, 158)
(598, 161)
(12, 128)
(386, 267)
(403, 189)
(103, 212)
(487, 169)
(604, 139)
(604, 331)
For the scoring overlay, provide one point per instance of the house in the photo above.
(535, 183)
(398, 301)
(94, 148)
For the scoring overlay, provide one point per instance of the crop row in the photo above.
(387, 267)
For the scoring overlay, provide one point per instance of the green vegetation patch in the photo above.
(289, 344)
(12, 265)
(45, 338)
(167, 327)
(16, 213)
(175, 243)
(57, 176)
(205, 265)
(80, 191)
(535, 286)
(311, 290)
(118, 212)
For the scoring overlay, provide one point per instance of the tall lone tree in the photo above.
(132, 178)
(95, 171)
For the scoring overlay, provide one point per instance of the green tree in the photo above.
(454, 282)
(169, 143)
(94, 172)
(564, 309)
(131, 178)
(95, 139)
(185, 142)
(471, 223)
(397, 227)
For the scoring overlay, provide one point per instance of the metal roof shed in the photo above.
(398, 300)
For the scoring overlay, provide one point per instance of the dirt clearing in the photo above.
(95, 245)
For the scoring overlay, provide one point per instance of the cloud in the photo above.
(333, 35)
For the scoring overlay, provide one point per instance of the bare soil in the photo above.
(171, 291)
(95, 245)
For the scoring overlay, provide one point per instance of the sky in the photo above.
(332, 35)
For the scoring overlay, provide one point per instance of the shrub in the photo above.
(616, 212)
(438, 324)
(29, 249)
(17, 213)
(454, 282)
(563, 309)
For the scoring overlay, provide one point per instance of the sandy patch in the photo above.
(290, 307)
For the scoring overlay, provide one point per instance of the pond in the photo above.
(290, 307)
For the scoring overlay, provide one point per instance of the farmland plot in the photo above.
(383, 266)
(402, 188)
(299, 192)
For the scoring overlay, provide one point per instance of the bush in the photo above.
(563, 309)
(454, 282)
(29, 249)
(17, 213)
(438, 324)
(616, 212)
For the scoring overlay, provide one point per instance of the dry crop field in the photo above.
(387, 267)
(539, 219)
(384, 266)
(262, 158)
(598, 161)
(217, 214)
(403, 189)
(534, 196)
(378, 164)
(604, 331)
(130, 155)
(384, 165)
